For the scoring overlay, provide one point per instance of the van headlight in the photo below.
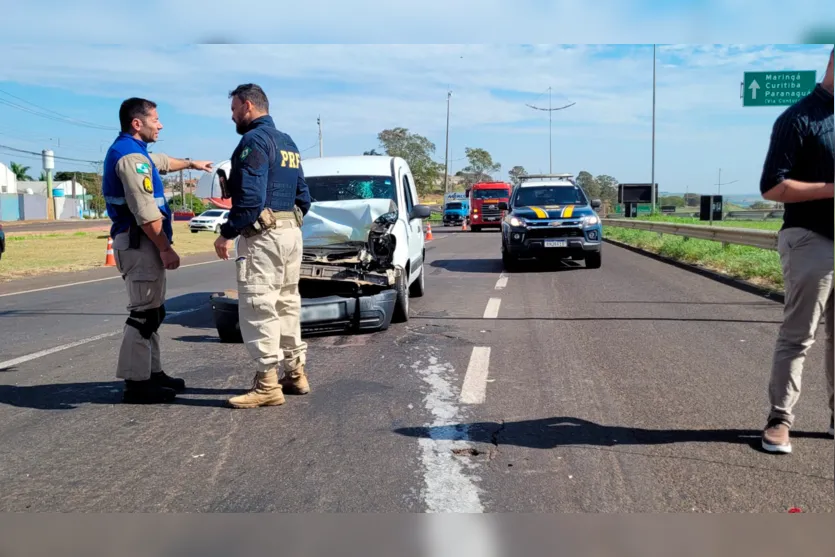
(590, 220)
(517, 222)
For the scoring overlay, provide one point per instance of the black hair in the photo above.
(252, 93)
(134, 108)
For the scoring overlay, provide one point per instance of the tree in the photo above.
(608, 188)
(516, 173)
(586, 181)
(20, 172)
(762, 206)
(193, 203)
(674, 200)
(481, 165)
(415, 150)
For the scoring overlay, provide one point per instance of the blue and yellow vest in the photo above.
(114, 191)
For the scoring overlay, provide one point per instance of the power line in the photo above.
(49, 114)
(56, 157)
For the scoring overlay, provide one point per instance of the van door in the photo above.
(414, 226)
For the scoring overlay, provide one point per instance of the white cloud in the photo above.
(362, 89)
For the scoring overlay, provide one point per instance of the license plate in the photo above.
(555, 243)
(329, 312)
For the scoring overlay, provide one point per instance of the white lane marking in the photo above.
(474, 389)
(502, 282)
(448, 487)
(91, 281)
(48, 351)
(492, 309)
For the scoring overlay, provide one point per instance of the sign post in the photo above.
(776, 88)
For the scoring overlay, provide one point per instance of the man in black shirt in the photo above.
(798, 172)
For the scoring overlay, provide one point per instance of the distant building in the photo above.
(39, 188)
(8, 180)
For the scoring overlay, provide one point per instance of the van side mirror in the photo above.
(596, 204)
(503, 206)
(420, 212)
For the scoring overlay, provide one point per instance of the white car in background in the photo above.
(210, 220)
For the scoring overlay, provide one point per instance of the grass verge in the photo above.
(29, 255)
(773, 224)
(757, 266)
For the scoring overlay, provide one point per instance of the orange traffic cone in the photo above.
(429, 232)
(109, 261)
(464, 226)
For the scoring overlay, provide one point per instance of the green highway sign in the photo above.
(776, 88)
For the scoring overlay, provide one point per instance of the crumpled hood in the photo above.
(338, 222)
(553, 212)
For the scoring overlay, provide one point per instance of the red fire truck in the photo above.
(484, 204)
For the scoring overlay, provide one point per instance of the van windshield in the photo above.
(345, 188)
(549, 195)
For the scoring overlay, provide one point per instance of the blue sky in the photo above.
(360, 90)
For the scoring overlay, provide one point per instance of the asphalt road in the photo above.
(23, 227)
(637, 387)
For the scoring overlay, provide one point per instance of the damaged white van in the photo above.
(363, 245)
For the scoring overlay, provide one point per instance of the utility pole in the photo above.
(183, 189)
(446, 157)
(319, 122)
(550, 111)
(652, 179)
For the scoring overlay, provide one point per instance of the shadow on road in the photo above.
(496, 266)
(68, 396)
(469, 265)
(549, 433)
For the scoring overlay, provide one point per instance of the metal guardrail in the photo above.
(764, 239)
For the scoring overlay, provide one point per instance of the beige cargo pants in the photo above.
(269, 304)
(145, 281)
(807, 259)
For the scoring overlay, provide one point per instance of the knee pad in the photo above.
(151, 324)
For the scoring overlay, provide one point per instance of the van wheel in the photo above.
(418, 287)
(401, 305)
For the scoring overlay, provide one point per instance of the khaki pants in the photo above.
(145, 281)
(269, 304)
(807, 260)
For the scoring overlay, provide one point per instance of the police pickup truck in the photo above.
(550, 217)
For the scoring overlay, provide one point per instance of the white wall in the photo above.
(8, 181)
(39, 188)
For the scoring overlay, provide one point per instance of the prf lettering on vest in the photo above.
(289, 158)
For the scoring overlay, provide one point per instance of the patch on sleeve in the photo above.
(146, 183)
(143, 168)
(245, 153)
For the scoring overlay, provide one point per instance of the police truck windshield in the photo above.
(346, 188)
(490, 194)
(549, 195)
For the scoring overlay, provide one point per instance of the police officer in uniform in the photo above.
(269, 200)
(142, 239)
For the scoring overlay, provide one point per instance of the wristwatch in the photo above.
(189, 162)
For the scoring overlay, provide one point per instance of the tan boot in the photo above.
(265, 392)
(295, 382)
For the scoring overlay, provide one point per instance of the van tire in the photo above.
(417, 289)
(401, 305)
